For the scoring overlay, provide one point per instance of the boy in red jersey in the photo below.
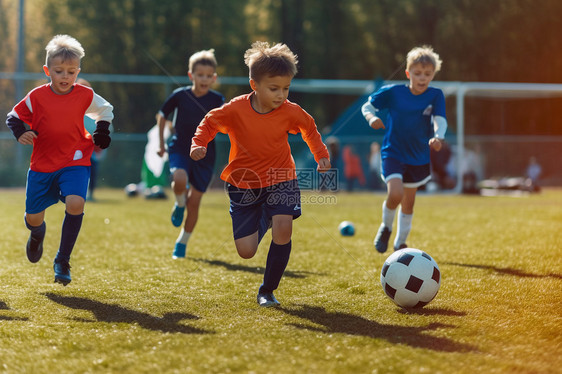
(60, 161)
(260, 175)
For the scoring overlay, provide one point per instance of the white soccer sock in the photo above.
(387, 216)
(184, 237)
(404, 227)
(180, 200)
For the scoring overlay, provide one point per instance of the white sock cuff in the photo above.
(181, 199)
(183, 237)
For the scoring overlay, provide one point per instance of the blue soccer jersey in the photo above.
(190, 111)
(409, 124)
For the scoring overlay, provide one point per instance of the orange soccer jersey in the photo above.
(260, 154)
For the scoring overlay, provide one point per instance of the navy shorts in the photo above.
(199, 173)
(248, 205)
(46, 189)
(412, 176)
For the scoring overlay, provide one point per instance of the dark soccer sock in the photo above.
(277, 260)
(37, 232)
(70, 229)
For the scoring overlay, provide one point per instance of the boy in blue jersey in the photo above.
(415, 122)
(189, 105)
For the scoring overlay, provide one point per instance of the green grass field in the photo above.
(131, 308)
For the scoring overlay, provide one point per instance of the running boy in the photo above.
(60, 161)
(261, 175)
(416, 121)
(191, 104)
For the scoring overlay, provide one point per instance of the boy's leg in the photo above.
(70, 229)
(405, 218)
(193, 203)
(179, 185)
(395, 191)
(36, 224)
(277, 258)
(73, 184)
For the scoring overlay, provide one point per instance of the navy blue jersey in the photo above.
(409, 124)
(190, 111)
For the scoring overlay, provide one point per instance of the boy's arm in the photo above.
(101, 111)
(439, 129)
(161, 120)
(370, 114)
(206, 131)
(313, 139)
(16, 125)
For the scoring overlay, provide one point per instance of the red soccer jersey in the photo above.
(260, 154)
(62, 140)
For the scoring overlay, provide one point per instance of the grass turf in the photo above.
(131, 308)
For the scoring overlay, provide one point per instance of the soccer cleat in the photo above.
(381, 240)
(401, 246)
(266, 299)
(34, 249)
(177, 215)
(62, 272)
(179, 251)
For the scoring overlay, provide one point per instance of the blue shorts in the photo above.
(412, 176)
(248, 205)
(199, 173)
(46, 189)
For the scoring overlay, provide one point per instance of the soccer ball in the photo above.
(346, 228)
(410, 278)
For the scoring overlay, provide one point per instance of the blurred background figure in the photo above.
(533, 173)
(375, 181)
(352, 169)
(441, 174)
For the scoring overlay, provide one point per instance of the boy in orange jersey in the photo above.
(260, 175)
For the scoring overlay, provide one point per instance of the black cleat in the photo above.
(381, 240)
(34, 249)
(266, 299)
(62, 272)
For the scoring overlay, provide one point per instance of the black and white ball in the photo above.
(410, 278)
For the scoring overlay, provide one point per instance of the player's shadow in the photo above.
(115, 313)
(4, 306)
(428, 311)
(253, 269)
(506, 271)
(346, 323)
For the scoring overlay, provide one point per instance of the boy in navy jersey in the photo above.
(416, 121)
(62, 147)
(190, 178)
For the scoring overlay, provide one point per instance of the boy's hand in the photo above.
(101, 135)
(161, 152)
(436, 144)
(27, 137)
(324, 165)
(378, 124)
(198, 153)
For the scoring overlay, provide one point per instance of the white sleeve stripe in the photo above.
(100, 109)
(28, 104)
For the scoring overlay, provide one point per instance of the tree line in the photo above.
(478, 40)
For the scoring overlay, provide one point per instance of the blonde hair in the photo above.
(423, 55)
(265, 60)
(65, 47)
(205, 57)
